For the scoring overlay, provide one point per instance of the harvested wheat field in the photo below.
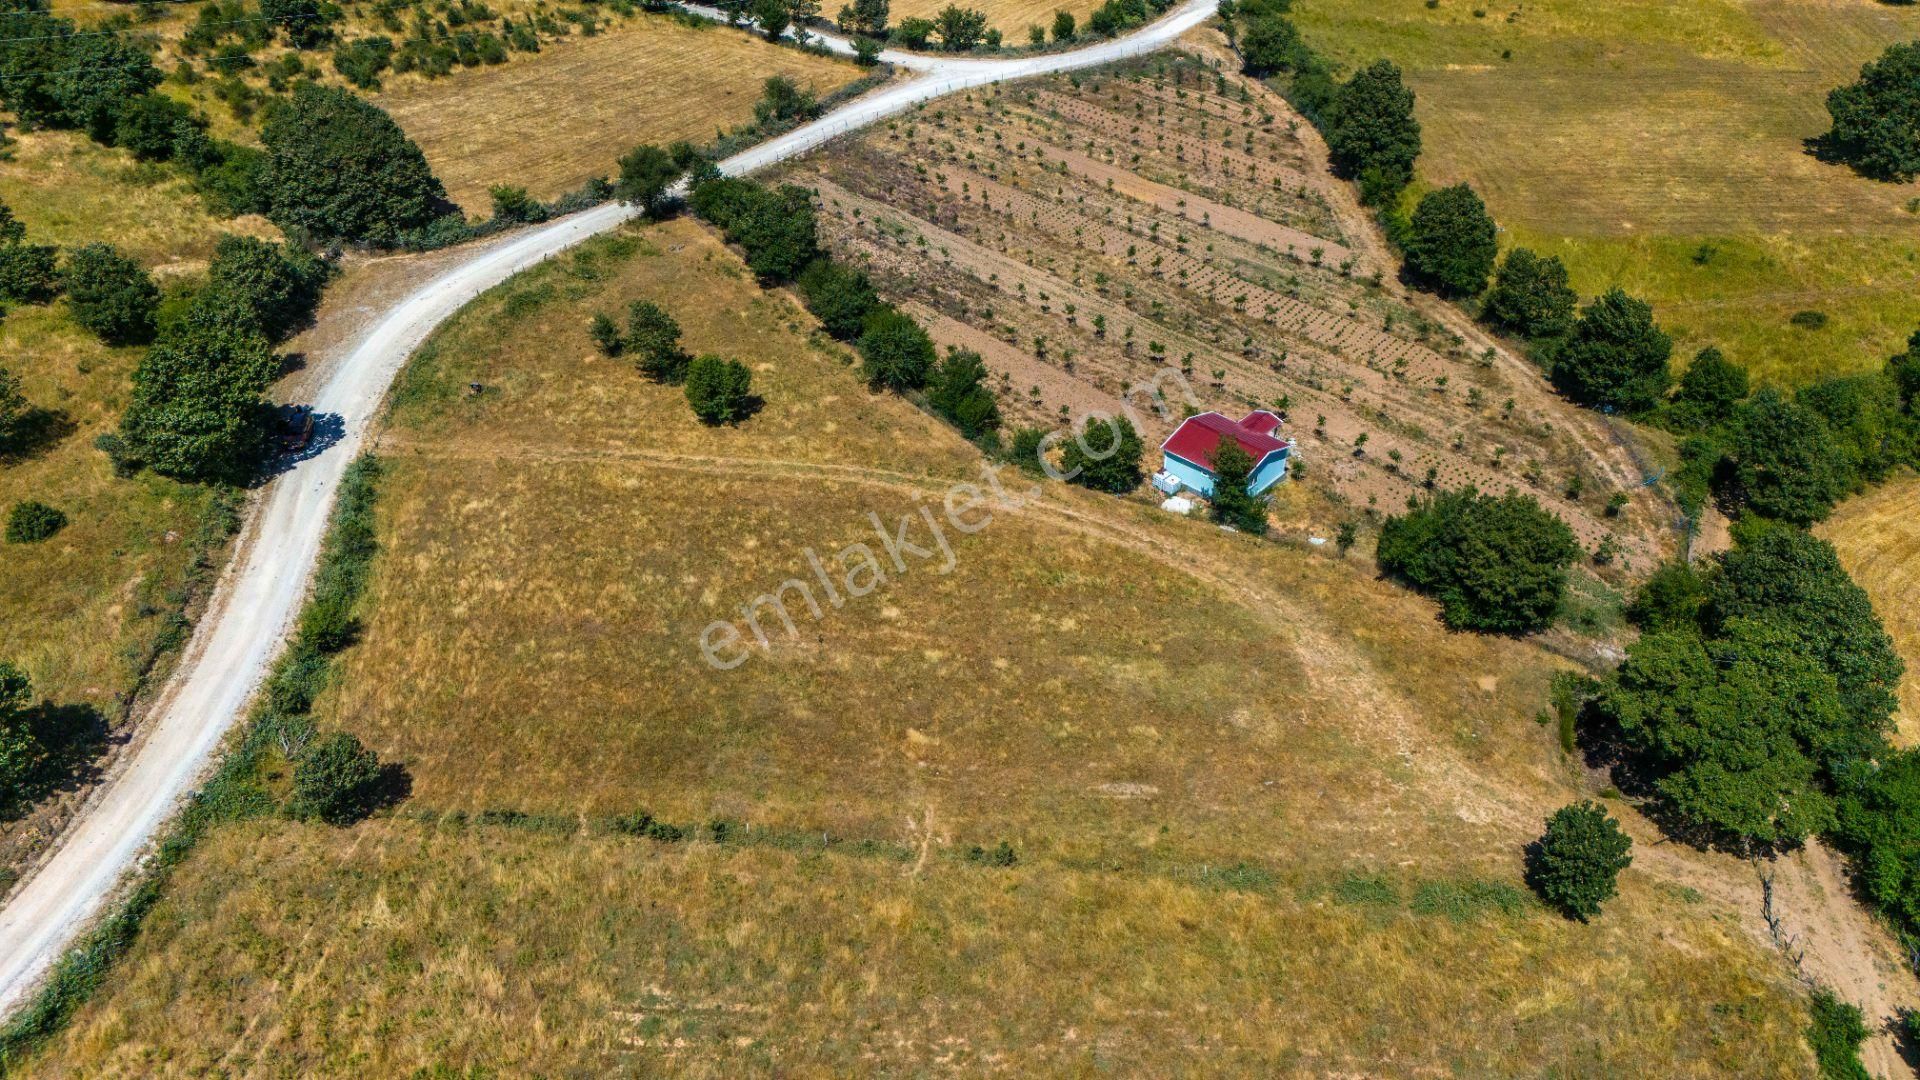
(551, 122)
(1659, 146)
(1878, 537)
(1022, 809)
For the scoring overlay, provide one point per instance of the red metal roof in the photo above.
(1262, 421)
(1197, 437)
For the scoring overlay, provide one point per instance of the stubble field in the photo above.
(552, 121)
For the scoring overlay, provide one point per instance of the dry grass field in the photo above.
(69, 190)
(552, 121)
(1878, 536)
(1265, 812)
(1658, 145)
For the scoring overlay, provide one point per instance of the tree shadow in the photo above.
(394, 787)
(72, 740)
(39, 431)
(289, 420)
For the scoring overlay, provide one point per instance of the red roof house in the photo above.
(1187, 455)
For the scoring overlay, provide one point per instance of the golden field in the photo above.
(1263, 812)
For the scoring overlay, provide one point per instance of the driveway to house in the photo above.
(261, 591)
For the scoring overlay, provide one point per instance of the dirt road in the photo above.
(261, 592)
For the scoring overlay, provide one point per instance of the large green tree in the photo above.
(1371, 132)
(1876, 120)
(1786, 462)
(110, 294)
(55, 75)
(1575, 866)
(196, 412)
(1495, 563)
(894, 352)
(1531, 295)
(338, 167)
(1710, 389)
(1736, 729)
(278, 284)
(1451, 242)
(1792, 579)
(1105, 456)
(647, 175)
(1868, 421)
(19, 747)
(1616, 357)
(1232, 505)
(14, 411)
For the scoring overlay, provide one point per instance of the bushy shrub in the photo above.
(1105, 456)
(1531, 296)
(30, 522)
(362, 61)
(719, 391)
(29, 273)
(957, 391)
(155, 127)
(336, 780)
(1495, 563)
(653, 340)
(895, 353)
(111, 295)
(776, 228)
(1837, 1033)
(839, 296)
(1575, 866)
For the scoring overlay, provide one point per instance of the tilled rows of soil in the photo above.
(1016, 222)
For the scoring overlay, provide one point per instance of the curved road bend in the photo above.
(261, 591)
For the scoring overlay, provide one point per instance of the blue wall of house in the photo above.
(1271, 473)
(1200, 480)
(1190, 474)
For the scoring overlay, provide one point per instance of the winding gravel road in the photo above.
(263, 587)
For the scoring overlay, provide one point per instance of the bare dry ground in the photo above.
(552, 121)
(1265, 812)
(1658, 145)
